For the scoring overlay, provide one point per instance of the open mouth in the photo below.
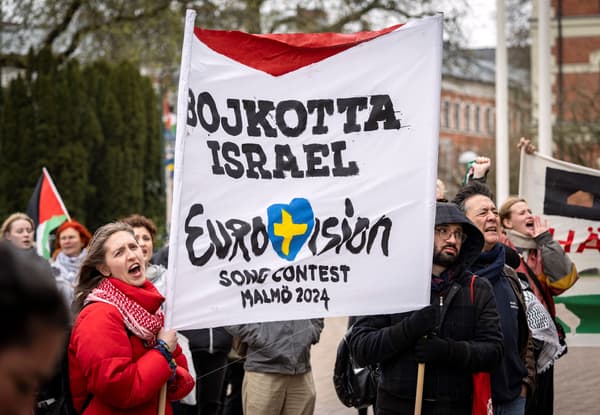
(490, 229)
(529, 224)
(134, 269)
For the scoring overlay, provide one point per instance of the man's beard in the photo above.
(443, 259)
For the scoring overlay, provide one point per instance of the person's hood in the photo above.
(447, 213)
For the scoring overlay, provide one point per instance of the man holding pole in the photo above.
(457, 335)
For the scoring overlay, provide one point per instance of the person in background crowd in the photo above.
(33, 328)
(161, 257)
(210, 349)
(440, 191)
(72, 239)
(477, 170)
(353, 319)
(278, 378)
(542, 257)
(515, 377)
(542, 252)
(232, 386)
(145, 235)
(549, 272)
(120, 354)
(461, 324)
(18, 229)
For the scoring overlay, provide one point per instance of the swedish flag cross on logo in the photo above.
(290, 227)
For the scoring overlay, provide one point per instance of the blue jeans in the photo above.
(514, 407)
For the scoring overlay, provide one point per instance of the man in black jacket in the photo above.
(515, 376)
(461, 326)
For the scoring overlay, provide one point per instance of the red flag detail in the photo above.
(278, 54)
(49, 202)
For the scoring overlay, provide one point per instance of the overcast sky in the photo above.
(480, 25)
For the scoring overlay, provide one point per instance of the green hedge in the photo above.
(97, 130)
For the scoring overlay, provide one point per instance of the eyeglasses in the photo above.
(445, 234)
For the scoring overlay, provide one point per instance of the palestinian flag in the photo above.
(47, 210)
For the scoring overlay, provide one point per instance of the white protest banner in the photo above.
(305, 171)
(568, 197)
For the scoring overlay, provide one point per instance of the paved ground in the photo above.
(577, 376)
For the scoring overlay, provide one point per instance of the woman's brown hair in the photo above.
(89, 276)
(139, 221)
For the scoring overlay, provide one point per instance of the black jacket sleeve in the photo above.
(375, 339)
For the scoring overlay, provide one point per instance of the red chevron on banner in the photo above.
(265, 52)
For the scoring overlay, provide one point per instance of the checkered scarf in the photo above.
(543, 329)
(138, 320)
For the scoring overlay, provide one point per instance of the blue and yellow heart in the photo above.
(290, 226)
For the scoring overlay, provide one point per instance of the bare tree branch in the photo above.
(116, 21)
(355, 15)
(62, 26)
(13, 60)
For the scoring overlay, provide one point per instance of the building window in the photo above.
(489, 120)
(446, 114)
(477, 119)
(511, 122)
(467, 117)
(457, 116)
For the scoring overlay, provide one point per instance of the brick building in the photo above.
(467, 115)
(575, 77)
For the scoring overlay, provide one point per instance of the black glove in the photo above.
(434, 349)
(407, 331)
(421, 322)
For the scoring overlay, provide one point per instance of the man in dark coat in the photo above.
(515, 376)
(461, 326)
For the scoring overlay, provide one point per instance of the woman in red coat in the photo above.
(120, 355)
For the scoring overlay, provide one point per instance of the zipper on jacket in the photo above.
(439, 325)
(210, 341)
(451, 293)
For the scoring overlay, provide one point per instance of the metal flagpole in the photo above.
(502, 169)
(544, 86)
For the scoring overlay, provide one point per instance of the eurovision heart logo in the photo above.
(290, 226)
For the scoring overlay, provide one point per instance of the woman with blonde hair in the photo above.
(18, 229)
(120, 354)
(549, 272)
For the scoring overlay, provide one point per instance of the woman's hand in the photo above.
(529, 147)
(168, 336)
(539, 226)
